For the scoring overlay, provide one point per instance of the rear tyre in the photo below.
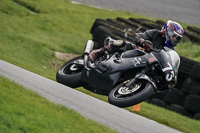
(122, 96)
(69, 73)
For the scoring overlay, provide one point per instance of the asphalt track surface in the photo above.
(106, 114)
(187, 11)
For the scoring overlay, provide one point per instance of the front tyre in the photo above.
(123, 96)
(70, 73)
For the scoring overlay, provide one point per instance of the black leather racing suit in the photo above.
(153, 35)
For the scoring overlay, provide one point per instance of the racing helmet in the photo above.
(173, 33)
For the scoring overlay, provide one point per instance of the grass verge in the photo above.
(25, 111)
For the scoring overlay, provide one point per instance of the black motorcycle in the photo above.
(127, 78)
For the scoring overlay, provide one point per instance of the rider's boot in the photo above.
(97, 53)
(112, 46)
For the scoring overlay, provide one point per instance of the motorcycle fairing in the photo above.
(106, 74)
(132, 53)
(136, 59)
(98, 80)
(164, 60)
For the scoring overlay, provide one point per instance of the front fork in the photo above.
(141, 75)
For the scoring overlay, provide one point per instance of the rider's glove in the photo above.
(147, 45)
(169, 74)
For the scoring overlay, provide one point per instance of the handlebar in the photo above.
(153, 49)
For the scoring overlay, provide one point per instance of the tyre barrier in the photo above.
(197, 116)
(192, 103)
(194, 29)
(192, 34)
(191, 87)
(180, 80)
(158, 102)
(184, 98)
(159, 95)
(179, 109)
(186, 65)
(195, 72)
(120, 24)
(175, 96)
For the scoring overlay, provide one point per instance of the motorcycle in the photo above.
(127, 78)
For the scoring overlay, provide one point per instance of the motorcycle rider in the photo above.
(170, 35)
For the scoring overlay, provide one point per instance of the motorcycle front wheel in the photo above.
(69, 73)
(123, 96)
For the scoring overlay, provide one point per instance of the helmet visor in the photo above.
(173, 37)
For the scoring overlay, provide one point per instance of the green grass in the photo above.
(168, 118)
(29, 39)
(189, 50)
(25, 111)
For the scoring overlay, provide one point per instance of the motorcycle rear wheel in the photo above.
(122, 96)
(69, 73)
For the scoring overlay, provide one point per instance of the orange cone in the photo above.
(136, 107)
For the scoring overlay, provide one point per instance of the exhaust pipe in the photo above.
(88, 48)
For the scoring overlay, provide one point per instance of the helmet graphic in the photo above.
(173, 33)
